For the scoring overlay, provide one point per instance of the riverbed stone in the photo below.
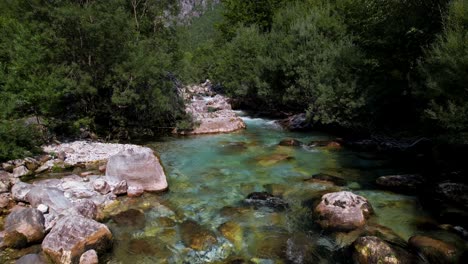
(54, 198)
(401, 183)
(120, 188)
(373, 250)
(74, 235)
(326, 178)
(27, 222)
(196, 236)
(101, 186)
(290, 142)
(31, 259)
(343, 211)
(20, 190)
(435, 250)
(265, 199)
(131, 218)
(233, 232)
(140, 168)
(89, 257)
(20, 171)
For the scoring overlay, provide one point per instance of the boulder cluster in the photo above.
(63, 214)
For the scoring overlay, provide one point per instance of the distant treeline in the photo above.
(380, 66)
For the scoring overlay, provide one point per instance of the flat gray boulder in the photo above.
(139, 167)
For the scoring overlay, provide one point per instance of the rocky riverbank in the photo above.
(211, 112)
(63, 214)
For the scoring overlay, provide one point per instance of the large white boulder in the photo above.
(139, 167)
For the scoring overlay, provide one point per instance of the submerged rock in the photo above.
(373, 250)
(264, 199)
(273, 159)
(140, 168)
(196, 236)
(436, 251)
(343, 211)
(401, 183)
(72, 236)
(23, 224)
(290, 142)
(322, 177)
(233, 232)
(130, 218)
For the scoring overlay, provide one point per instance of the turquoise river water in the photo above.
(210, 175)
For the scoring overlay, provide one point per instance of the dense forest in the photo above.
(112, 68)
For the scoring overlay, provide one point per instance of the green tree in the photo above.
(446, 70)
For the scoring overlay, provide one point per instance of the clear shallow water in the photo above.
(210, 175)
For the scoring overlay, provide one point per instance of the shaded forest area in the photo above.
(398, 68)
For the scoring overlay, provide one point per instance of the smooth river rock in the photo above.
(74, 235)
(401, 183)
(373, 250)
(435, 251)
(343, 211)
(140, 168)
(24, 226)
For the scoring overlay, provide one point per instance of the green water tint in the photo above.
(210, 175)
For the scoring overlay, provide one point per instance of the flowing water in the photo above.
(210, 175)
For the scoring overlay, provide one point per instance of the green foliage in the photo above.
(446, 68)
(247, 13)
(103, 65)
(18, 140)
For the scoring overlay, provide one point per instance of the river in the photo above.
(210, 175)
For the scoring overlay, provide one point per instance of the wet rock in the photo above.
(297, 122)
(436, 251)
(43, 168)
(326, 144)
(322, 177)
(290, 142)
(343, 211)
(300, 249)
(52, 197)
(275, 189)
(139, 167)
(72, 236)
(25, 222)
(101, 186)
(453, 192)
(85, 208)
(401, 183)
(196, 236)
(135, 191)
(233, 147)
(20, 190)
(142, 247)
(31, 164)
(89, 257)
(132, 217)
(5, 199)
(273, 159)
(120, 188)
(373, 250)
(31, 259)
(264, 199)
(20, 172)
(233, 232)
